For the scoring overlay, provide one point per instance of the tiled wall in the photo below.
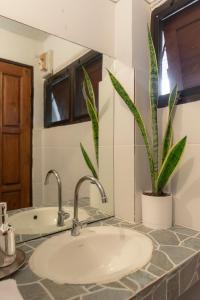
(186, 182)
(124, 148)
(141, 65)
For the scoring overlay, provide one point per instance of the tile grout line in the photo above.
(47, 291)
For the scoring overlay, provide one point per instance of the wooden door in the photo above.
(15, 134)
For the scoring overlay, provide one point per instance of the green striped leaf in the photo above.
(172, 99)
(127, 100)
(88, 94)
(88, 161)
(153, 93)
(168, 137)
(95, 126)
(88, 88)
(170, 163)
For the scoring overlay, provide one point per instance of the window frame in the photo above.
(88, 59)
(161, 12)
(57, 77)
(69, 72)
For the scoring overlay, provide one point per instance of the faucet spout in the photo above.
(62, 215)
(76, 224)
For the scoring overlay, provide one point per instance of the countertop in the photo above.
(174, 267)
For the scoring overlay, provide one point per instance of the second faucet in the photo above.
(62, 215)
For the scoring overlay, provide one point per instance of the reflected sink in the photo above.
(42, 220)
(98, 255)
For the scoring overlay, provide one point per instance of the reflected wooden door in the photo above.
(15, 134)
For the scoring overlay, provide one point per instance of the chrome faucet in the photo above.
(62, 215)
(76, 224)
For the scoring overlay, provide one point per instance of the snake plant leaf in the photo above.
(153, 93)
(172, 99)
(168, 137)
(95, 126)
(88, 161)
(88, 88)
(127, 100)
(88, 94)
(170, 163)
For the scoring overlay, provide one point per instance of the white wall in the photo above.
(89, 23)
(185, 184)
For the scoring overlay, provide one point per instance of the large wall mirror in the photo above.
(43, 120)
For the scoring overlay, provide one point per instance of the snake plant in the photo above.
(89, 96)
(171, 154)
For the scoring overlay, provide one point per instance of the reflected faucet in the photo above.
(62, 215)
(76, 224)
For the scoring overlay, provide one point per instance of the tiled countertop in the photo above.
(174, 267)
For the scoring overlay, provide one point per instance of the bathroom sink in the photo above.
(98, 255)
(42, 220)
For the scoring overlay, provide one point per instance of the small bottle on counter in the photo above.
(7, 238)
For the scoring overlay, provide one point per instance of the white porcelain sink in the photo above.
(97, 255)
(42, 220)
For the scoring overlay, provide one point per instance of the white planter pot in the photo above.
(157, 211)
(95, 197)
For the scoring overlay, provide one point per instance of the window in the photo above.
(63, 100)
(176, 31)
(93, 66)
(57, 99)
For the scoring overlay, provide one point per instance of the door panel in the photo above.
(12, 199)
(15, 134)
(11, 100)
(11, 159)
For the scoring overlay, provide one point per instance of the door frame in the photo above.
(31, 68)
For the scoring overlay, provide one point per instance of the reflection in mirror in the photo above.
(44, 120)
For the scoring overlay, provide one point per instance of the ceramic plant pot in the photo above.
(157, 211)
(95, 197)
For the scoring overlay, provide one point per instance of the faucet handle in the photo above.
(66, 215)
(77, 226)
(83, 224)
(62, 216)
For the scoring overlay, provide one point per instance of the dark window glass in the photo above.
(176, 31)
(93, 65)
(63, 98)
(57, 99)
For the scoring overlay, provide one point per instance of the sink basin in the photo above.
(98, 255)
(42, 220)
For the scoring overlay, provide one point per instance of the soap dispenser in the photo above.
(7, 238)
